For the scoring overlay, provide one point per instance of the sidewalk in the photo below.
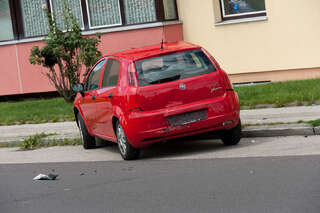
(284, 115)
(13, 134)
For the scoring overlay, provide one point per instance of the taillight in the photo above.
(132, 76)
(227, 82)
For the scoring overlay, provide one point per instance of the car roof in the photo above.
(154, 50)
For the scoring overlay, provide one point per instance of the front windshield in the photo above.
(173, 67)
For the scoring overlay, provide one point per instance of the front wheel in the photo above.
(127, 151)
(231, 137)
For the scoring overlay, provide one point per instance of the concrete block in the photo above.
(279, 130)
(316, 130)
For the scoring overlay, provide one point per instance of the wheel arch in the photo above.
(118, 115)
(76, 111)
(115, 119)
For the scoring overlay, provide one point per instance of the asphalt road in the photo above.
(268, 184)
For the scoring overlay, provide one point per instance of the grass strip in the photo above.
(279, 94)
(315, 123)
(41, 140)
(274, 124)
(35, 111)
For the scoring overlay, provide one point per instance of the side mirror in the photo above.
(78, 88)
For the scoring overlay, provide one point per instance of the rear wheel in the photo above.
(88, 141)
(127, 151)
(231, 137)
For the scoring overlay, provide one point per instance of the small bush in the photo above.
(33, 141)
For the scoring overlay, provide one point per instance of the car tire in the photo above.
(127, 151)
(231, 137)
(88, 141)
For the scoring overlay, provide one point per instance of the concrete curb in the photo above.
(247, 132)
(316, 130)
(17, 141)
(280, 130)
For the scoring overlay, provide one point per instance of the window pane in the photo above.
(172, 67)
(74, 5)
(111, 74)
(169, 9)
(35, 22)
(232, 7)
(5, 21)
(139, 11)
(94, 77)
(104, 12)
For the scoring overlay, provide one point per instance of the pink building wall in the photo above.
(18, 76)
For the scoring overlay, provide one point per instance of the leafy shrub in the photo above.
(64, 53)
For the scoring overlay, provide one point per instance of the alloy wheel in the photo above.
(121, 140)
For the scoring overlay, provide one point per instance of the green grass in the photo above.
(315, 123)
(34, 141)
(274, 123)
(38, 141)
(36, 111)
(280, 94)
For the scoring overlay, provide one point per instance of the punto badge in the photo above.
(182, 86)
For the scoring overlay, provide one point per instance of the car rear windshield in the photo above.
(172, 67)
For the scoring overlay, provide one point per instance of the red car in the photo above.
(141, 96)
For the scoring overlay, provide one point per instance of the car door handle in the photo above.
(110, 96)
(93, 98)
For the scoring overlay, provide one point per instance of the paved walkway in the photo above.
(258, 116)
(19, 132)
(276, 115)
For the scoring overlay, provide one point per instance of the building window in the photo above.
(242, 8)
(57, 10)
(104, 13)
(6, 32)
(139, 11)
(27, 18)
(34, 18)
(170, 10)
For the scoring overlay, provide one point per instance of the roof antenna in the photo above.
(162, 41)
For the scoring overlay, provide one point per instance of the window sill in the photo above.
(94, 31)
(130, 27)
(242, 20)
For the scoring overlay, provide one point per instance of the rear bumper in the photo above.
(144, 128)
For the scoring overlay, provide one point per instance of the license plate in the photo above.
(187, 118)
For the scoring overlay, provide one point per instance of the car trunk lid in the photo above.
(180, 92)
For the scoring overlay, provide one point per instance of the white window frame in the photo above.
(52, 12)
(240, 14)
(103, 26)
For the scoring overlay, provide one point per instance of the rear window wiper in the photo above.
(164, 80)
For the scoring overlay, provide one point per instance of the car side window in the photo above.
(94, 77)
(111, 73)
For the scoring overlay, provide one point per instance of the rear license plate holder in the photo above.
(187, 118)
